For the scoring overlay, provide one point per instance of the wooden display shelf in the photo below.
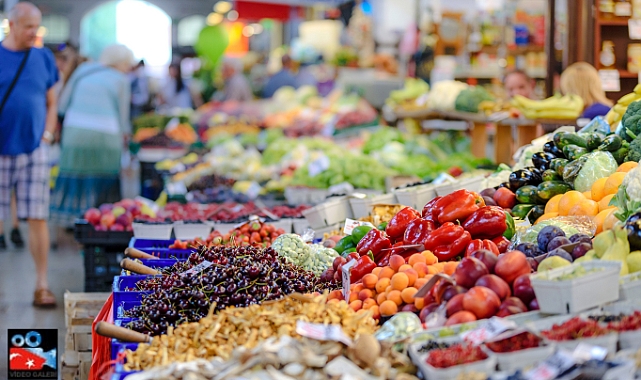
(620, 21)
(625, 74)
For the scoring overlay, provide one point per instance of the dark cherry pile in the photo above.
(455, 355)
(209, 182)
(432, 345)
(606, 318)
(239, 276)
(575, 328)
(515, 343)
(626, 322)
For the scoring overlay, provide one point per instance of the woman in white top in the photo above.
(176, 92)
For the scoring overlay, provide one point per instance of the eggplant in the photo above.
(522, 178)
(541, 160)
(633, 226)
(537, 174)
(550, 147)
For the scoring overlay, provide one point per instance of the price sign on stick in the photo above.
(346, 279)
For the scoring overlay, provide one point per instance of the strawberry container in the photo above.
(296, 196)
(630, 287)
(363, 206)
(597, 287)
(429, 372)
(511, 361)
(415, 196)
(627, 339)
(224, 228)
(285, 224)
(190, 231)
(334, 210)
(470, 184)
(152, 231)
(300, 225)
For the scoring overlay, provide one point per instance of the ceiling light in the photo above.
(214, 19)
(248, 31)
(222, 7)
(232, 15)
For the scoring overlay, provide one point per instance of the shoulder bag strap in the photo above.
(15, 80)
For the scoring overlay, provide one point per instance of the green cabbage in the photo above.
(599, 164)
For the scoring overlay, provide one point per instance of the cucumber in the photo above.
(563, 139)
(558, 163)
(572, 151)
(551, 175)
(593, 140)
(620, 154)
(527, 194)
(535, 213)
(548, 189)
(611, 143)
(521, 210)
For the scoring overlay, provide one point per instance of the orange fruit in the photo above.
(395, 262)
(569, 200)
(387, 272)
(388, 308)
(388, 289)
(356, 305)
(368, 303)
(336, 294)
(370, 280)
(412, 275)
(613, 183)
(599, 219)
(376, 314)
(432, 270)
(408, 295)
(400, 281)
(421, 269)
(376, 271)
(604, 203)
(597, 189)
(365, 294)
(416, 258)
(611, 219)
(546, 216)
(381, 284)
(357, 288)
(627, 166)
(334, 300)
(430, 258)
(439, 267)
(450, 267)
(419, 283)
(419, 302)
(381, 298)
(395, 296)
(586, 207)
(587, 194)
(553, 204)
(404, 267)
(353, 296)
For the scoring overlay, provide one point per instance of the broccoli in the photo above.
(631, 122)
(469, 99)
(634, 154)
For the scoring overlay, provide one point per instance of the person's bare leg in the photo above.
(39, 247)
(14, 212)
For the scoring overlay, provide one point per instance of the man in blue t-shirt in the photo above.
(27, 122)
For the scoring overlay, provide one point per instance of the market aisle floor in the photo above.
(17, 279)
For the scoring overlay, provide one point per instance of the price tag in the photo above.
(488, 330)
(172, 124)
(350, 224)
(320, 331)
(584, 352)
(318, 166)
(346, 280)
(197, 269)
(634, 29)
(610, 81)
(552, 367)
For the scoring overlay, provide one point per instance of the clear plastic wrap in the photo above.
(569, 224)
(399, 327)
(598, 124)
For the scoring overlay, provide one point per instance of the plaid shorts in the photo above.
(27, 175)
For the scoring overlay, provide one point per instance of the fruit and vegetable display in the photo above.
(613, 117)
(406, 98)
(555, 107)
(456, 354)
(155, 130)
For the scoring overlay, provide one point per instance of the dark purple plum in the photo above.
(546, 235)
(580, 250)
(557, 242)
(529, 249)
(562, 253)
(580, 238)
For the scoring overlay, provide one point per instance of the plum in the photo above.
(580, 238)
(580, 250)
(546, 235)
(557, 242)
(529, 249)
(562, 253)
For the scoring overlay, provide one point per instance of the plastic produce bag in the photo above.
(399, 327)
(598, 124)
(597, 165)
(569, 224)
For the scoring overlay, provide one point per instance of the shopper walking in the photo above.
(582, 79)
(283, 78)
(27, 122)
(176, 92)
(95, 104)
(236, 85)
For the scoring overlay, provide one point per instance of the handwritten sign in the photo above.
(610, 81)
(346, 278)
(320, 331)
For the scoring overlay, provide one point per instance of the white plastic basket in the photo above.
(296, 196)
(429, 372)
(190, 231)
(315, 216)
(334, 210)
(285, 224)
(363, 207)
(300, 225)
(326, 229)
(630, 287)
(416, 196)
(152, 231)
(578, 294)
(316, 196)
(224, 228)
(627, 339)
(511, 361)
(470, 184)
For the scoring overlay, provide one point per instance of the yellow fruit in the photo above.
(613, 183)
(604, 203)
(611, 219)
(627, 166)
(546, 216)
(587, 194)
(587, 207)
(599, 219)
(553, 204)
(597, 189)
(569, 200)
(388, 308)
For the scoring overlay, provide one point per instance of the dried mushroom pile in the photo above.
(289, 359)
(218, 335)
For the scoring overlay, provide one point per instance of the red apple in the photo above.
(93, 216)
(481, 301)
(105, 207)
(428, 299)
(125, 219)
(523, 289)
(468, 271)
(126, 203)
(487, 257)
(508, 310)
(427, 310)
(441, 287)
(460, 317)
(511, 265)
(454, 305)
(514, 302)
(533, 263)
(107, 220)
(100, 227)
(496, 284)
(534, 304)
(117, 227)
(452, 291)
(409, 307)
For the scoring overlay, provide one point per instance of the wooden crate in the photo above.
(69, 373)
(83, 307)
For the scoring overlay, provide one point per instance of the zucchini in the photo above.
(526, 194)
(563, 139)
(548, 189)
(535, 213)
(551, 175)
(620, 154)
(611, 143)
(557, 164)
(521, 210)
(572, 152)
(593, 140)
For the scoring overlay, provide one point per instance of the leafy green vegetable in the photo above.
(599, 164)
(631, 122)
(634, 154)
(469, 99)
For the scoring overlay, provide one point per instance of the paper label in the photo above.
(488, 330)
(318, 166)
(350, 224)
(610, 81)
(422, 292)
(584, 352)
(320, 331)
(634, 29)
(553, 366)
(197, 269)
(346, 279)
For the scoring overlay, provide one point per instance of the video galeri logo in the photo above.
(25, 353)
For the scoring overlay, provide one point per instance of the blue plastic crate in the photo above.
(159, 248)
(125, 300)
(120, 373)
(156, 264)
(116, 345)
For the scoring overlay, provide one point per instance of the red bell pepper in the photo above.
(430, 210)
(363, 266)
(458, 205)
(396, 227)
(486, 223)
(374, 241)
(417, 231)
(477, 244)
(502, 243)
(448, 241)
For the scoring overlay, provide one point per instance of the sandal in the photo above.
(44, 298)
